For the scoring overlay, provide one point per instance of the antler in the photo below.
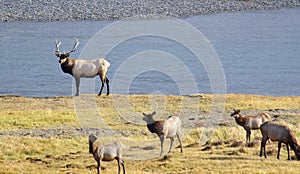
(58, 53)
(57, 43)
(75, 45)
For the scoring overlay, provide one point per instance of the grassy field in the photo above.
(50, 135)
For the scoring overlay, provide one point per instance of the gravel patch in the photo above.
(51, 132)
(57, 10)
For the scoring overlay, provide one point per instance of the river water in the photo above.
(258, 52)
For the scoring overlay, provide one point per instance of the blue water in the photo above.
(259, 52)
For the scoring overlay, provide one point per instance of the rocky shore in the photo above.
(57, 10)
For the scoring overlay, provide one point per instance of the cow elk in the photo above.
(280, 133)
(109, 152)
(167, 128)
(250, 122)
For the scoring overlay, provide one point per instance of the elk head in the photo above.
(149, 117)
(63, 56)
(235, 112)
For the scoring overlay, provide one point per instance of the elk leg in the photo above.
(162, 139)
(279, 147)
(263, 147)
(180, 142)
(107, 85)
(119, 165)
(172, 141)
(98, 167)
(288, 151)
(248, 133)
(123, 165)
(102, 84)
(77, 79)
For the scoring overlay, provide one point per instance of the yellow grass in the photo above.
(224, 152)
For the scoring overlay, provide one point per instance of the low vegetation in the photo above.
(50, 135)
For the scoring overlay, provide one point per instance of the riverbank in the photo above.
(55, 10)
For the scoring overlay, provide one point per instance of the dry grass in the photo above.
(222, 149)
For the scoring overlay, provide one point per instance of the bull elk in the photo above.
(81, 68)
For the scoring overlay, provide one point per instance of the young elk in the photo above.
(250, 122)
(83, 68)
(107, 152)
(280, 133)
(164, 129)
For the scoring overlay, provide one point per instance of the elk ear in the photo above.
(154, 112)
(67, 55)
(237, 111)
(144, 114)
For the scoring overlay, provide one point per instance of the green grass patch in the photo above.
(36, 119)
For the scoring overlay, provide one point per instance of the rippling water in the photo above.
(259, 52)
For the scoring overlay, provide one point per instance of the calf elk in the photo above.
(79, 68)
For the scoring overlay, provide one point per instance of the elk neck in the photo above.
(67, 66)
(156, 127)
(240, 119)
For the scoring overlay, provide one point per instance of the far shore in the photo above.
(56, 10)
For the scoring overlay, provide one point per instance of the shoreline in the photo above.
(55, 10)
(199, 95)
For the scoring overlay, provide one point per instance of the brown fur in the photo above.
(156, 127)
(68, 65)
(250, 122)
(280, 133)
